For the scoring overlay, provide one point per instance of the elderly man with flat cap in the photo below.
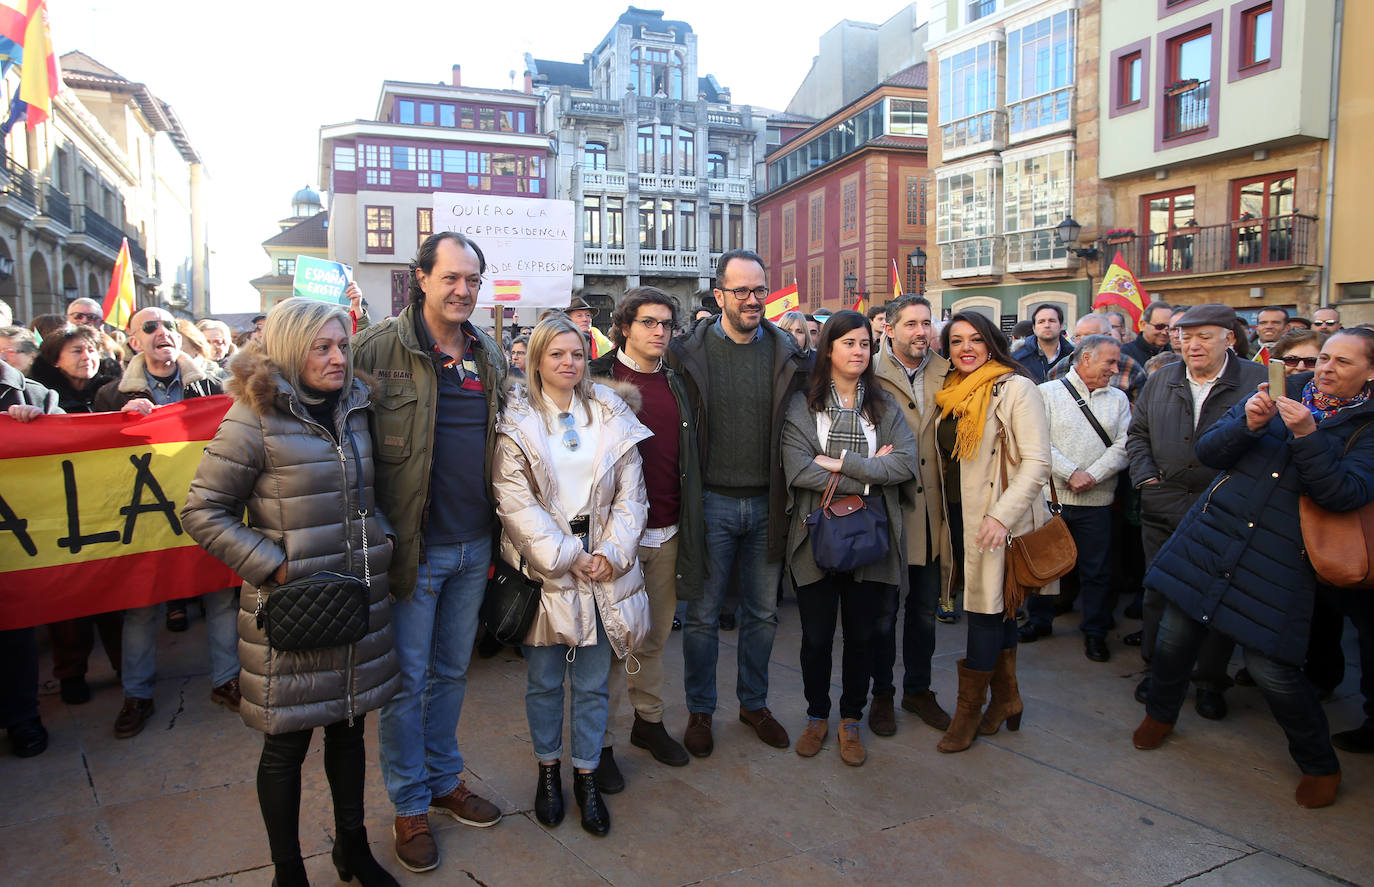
(1177, 404)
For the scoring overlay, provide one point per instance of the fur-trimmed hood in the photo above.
(255, 382)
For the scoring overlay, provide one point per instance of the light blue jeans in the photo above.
(434, 630)
(221, 636)
(545, 669)
(736, 529)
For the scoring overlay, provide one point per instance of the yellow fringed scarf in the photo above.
(968, 398)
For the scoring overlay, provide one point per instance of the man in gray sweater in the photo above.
(740, 371)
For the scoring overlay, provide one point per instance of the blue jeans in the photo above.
(735, 529)
(221, 636)
(918, 631)
(1286, 689)
(434, 631)
(545, 669)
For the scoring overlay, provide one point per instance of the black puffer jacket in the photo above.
(1236, 561)
(69, 397)
(299, 490)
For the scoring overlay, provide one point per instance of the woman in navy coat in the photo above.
(1236, 563)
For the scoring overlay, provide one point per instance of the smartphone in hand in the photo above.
(1277, 386)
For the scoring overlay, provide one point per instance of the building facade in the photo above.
(656, 159)
(1349, 285)
(848, 196)
(1014, 149)
(304, 233)
(112, 161)
(1215, 124)
(382, 174)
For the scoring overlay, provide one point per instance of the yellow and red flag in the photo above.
(119, 307)
(25, 40)
(90, 512)
(781, 302)
(506, 290)
(1120, 289)
(896, 282)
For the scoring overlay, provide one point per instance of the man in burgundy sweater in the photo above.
(672, 550)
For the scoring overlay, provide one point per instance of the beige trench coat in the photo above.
(535, 529)
(1015, 417)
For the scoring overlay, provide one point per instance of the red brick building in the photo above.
(849, 195)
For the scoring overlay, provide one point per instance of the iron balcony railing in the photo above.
(56, 206)
(19, 182)
(1186, 107)
(1241, 245)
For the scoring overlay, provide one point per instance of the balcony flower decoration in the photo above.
(1119, 235)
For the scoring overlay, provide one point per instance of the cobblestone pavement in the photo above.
(1064, 801)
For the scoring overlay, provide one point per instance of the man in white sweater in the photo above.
(1086, 455)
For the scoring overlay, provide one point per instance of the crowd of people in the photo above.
(645, 479)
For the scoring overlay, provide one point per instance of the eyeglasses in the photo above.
(150, 326)
(743, 292)
(1309, 363)
(570, 438)
(80, 316)
(652, 323)
(1162, 327)
(1326, 323)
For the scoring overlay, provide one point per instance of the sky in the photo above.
(253, 82)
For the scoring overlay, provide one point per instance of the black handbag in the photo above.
(849, 532)
(510, 602)
(324, 609)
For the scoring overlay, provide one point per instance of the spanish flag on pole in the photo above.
(26, 40)
(119, 307)
(896, 282)
(781, 302)
(1121, 290)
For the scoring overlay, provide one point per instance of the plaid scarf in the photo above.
(846, 430)
(1324, 406)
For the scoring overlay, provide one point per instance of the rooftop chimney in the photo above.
(529, 83)
(457, 75)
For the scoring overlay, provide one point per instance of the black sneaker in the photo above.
(29, 738)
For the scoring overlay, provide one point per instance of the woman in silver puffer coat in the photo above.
(570, 494)
(293, 452)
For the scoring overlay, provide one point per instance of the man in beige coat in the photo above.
(909, 370)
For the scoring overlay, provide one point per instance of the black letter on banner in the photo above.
(16, 525)
(143, 478)
(76, 540)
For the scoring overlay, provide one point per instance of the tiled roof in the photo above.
(890, 141)
(314, 231)
(912, 76)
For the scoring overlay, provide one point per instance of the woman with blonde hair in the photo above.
(294, 455)
(570, 493)
(795, 323)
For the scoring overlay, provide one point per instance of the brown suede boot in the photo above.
(1318, 791)
(973, 693)
(1006, 698)
(1150, 734)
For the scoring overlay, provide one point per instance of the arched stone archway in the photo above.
(45, 301)
(70, 288)
(9, 286)
(93, 290)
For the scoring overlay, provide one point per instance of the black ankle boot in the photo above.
(353, 858)
(290, 874)
(548, 794)
(595, 817)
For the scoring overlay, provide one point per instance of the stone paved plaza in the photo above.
(1065, 801)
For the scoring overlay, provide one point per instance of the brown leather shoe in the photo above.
(809, 742)
(467, 808)
(851, 745)
(765, 726)
(1318, 791)
(882, 720)
(1150, 734)
(924, 706)
(415, 847)
(697, 738)
(132, 717)
(227, 694)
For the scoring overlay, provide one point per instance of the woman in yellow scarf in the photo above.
(994, 447)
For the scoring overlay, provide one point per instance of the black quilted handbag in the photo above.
(509, 605)
(324, 609)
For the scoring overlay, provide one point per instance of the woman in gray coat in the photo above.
(294, 452)
(844, 422)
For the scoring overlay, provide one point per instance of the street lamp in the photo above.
(1066, 232)
(918, 261)
(851, 283)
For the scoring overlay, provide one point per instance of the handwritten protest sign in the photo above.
(90, 512)
(321, 280)
(527, 242)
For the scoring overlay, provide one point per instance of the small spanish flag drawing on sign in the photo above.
(507, 290)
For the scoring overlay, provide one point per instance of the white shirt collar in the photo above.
(629, 361)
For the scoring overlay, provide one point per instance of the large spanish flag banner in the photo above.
(781, 302)
(90, 512)
(1121, 290)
